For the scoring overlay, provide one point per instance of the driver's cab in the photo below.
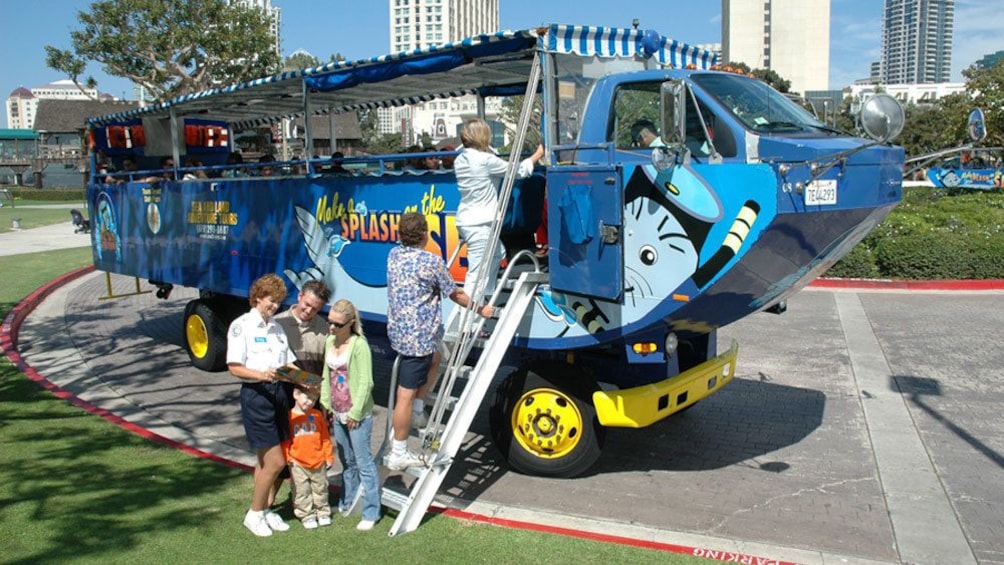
(637, 118)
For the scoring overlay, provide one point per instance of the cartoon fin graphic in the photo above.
(320, 245)
(336, 245)
(554, 307)
(298, 279)
(741, 228)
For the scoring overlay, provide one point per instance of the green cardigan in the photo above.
(360, 377)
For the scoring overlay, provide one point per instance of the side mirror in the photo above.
(881, 117)
(673, 99)
(977, 125)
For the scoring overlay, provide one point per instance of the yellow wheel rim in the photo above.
(547, 423)
(197, 336)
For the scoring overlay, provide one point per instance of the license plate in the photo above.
(821, 192)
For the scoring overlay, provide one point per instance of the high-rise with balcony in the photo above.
(419, 24)
(790, 37)
(917, 41)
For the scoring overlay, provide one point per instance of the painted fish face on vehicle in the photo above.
(667, 217)
(658, 253)
(951, 179)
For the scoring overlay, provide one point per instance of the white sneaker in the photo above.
(255, 521)
(275, 521)
(418, 419)
(365, 525)
(324, 521)
(309, 523)
(400, 462)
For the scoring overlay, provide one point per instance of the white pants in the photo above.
(476, 238)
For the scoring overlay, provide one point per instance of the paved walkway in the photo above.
(862, 427)
(47, 238)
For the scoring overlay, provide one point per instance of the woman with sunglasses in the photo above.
(347, 392)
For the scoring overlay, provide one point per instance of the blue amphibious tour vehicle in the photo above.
(741, 200)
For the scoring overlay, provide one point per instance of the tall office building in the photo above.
(917, 41)
(418, 24)
(790, 37)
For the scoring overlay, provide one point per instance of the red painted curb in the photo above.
(878, 284)
(8, 341)
(713, 554)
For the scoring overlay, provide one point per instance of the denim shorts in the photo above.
(414, 371)
(265, 413)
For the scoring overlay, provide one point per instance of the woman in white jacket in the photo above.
(478, 171)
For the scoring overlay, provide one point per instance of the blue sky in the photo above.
(359, 29)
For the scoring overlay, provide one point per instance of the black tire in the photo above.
(560, 436)
(204, 333)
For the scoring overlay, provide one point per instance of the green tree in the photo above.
(937, 126)
(373, 141)
(985, 87)
(170, 47)
(769, 76)
(300, 60)
(509, 116)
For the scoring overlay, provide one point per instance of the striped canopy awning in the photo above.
(482, 64)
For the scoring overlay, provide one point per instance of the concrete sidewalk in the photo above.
(46, 238)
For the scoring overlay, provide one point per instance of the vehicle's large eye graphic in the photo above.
(648, 255)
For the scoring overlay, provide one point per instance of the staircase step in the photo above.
(394, 497)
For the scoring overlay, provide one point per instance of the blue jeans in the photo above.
(359, 467)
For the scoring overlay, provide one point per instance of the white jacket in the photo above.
(478, 176)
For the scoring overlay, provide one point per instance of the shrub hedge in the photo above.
(50, 194)
(933, 234)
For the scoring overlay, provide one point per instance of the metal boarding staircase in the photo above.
(440, 443)
(464, 331)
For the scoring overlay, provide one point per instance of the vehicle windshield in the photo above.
(760, 107)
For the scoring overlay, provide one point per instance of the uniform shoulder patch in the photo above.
(236, 330)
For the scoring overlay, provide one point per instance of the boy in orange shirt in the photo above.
(309, 455)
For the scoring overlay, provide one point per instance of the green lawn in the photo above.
(35, 217)
(74, 487)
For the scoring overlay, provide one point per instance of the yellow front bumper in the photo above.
(645, 405)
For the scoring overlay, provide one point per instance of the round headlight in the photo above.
(671, 343)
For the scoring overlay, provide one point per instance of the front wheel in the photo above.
(543, 420)
(205, 336)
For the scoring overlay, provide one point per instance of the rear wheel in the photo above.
(205, 335)
(543, 420)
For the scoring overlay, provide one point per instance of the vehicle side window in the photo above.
(715, 130)
(636, 120)
(636, 107)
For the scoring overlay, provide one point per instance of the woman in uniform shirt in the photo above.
(256, 347)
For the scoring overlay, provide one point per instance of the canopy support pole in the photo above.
(332, 138)
(175, 148)
(308, 134)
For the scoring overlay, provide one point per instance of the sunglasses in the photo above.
(338, 326)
